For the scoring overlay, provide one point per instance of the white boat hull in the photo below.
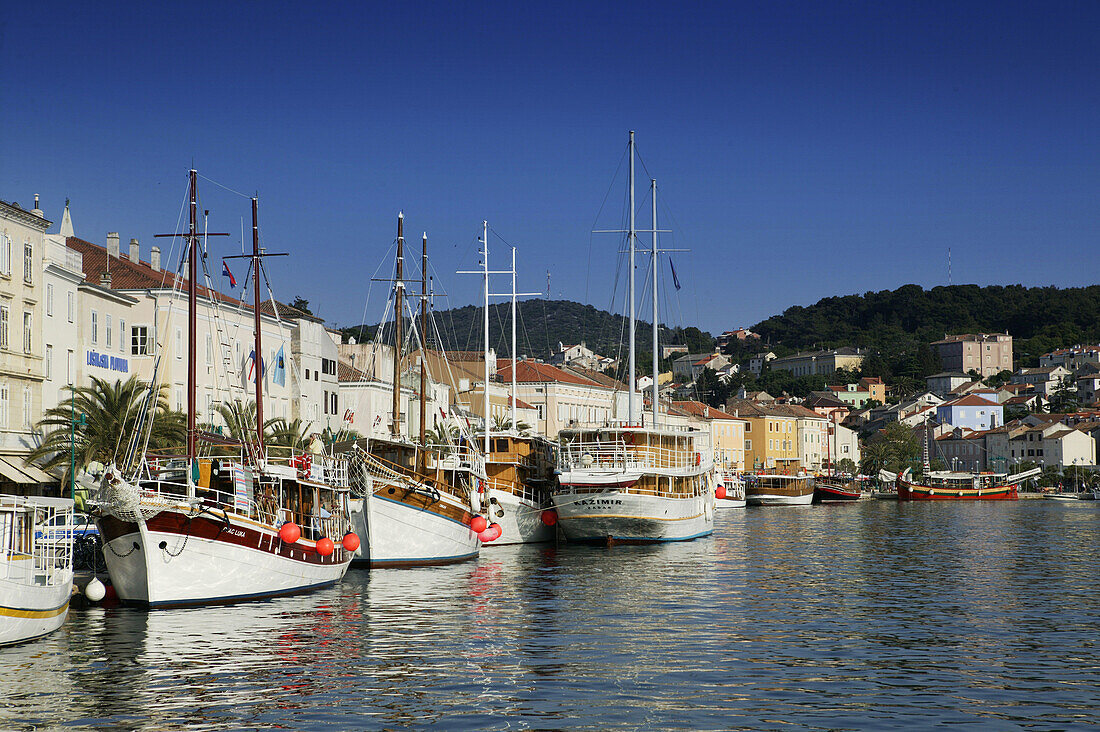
(156, 564)
(29, 611)
(730, 503)
(767, 499)
(520, 519)
(401, 535)
(616, 516)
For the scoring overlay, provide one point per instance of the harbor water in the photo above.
(865, 616)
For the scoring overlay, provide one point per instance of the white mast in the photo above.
(653, 195)
(630, 237)
(485, 269)
(515, 359)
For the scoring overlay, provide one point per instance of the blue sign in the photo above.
(105, 361)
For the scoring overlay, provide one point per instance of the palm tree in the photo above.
(503, 424)
(111, 414)
(286, 435)
(239, 418)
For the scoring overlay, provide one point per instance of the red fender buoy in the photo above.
(325, 546)
(478, 524)
(289, 532)
(351, 541)
(549, 517)
(720, 492)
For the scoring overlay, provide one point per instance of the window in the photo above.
(209, 349)
(307, 374)
(179, 343)
(28, 263)
(748, 444)
(121, 335)
(69, 306)
(334, 402)
(179, 397)
(49, 300)
(49, 361)
(95, 327)
(5, 255)
(69, 368)
(4, 327)
(324, 402)
(3, 405)
(107, 331)
(28, 326)
(27, 416)
(139, 340)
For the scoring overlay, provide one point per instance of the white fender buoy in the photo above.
(94, 590)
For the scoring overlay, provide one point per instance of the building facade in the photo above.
(986, 353)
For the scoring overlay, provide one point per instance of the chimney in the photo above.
(37, 211)
(135, 250)
(105, 278)
(154, 258)
(112, 243)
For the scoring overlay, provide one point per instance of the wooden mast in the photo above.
(259, 352)
(399, 285)
(423, 341)
(192, 322)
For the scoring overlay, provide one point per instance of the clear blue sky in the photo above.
(802, 149)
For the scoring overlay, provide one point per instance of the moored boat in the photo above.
(773, 489)
(36, 567)
(225, 521)
(634, 485)
(835, 490)
(957, 486)
(729, 490)
(520, 473)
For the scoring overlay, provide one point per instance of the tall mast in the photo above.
(398, 320)
(485, 270)
(653, 195)
(630, 237)
(423, 337)
(515, 361)
(256, 310)
(192, 321)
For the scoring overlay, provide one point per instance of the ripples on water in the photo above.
(864, 616)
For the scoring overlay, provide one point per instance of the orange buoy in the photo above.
(478, 524)
(549, 517)
(720, 492)
(325, 546)
(289, 532)
(351, 541)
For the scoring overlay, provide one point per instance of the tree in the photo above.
(504, 424)
(111, 412)
(300, 303)
(1064, 399)
(239, 418)
(286, 435)
(846, 466)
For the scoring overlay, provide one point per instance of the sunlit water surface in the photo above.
(863, 616)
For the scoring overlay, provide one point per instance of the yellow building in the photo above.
(771, 435)
(727, 433)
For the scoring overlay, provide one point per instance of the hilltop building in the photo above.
(820, 362)
(986, 353)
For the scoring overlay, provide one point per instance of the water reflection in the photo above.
(859, 616)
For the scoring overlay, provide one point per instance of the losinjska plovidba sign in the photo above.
(106, 361)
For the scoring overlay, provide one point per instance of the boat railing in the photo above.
(36, 539)
(621, 456)
(520, 489)
(368, 464)
(459, 458)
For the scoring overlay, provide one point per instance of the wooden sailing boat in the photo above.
(224, 524)
(416, 502)
(630, 483)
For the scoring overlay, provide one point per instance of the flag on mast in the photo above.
(227, 273)
(675, 279)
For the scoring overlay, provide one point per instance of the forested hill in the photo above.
(901, 321)
(543, 323)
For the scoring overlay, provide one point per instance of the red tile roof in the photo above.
(702, 410)
(970, 400)
(532, 372)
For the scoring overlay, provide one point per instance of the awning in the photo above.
(14, 470)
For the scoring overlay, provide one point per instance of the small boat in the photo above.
(225, 521)
(835, 490)
(1067, 496)
(520, 471)
(769, 489)
(36, 567)
(944, 485)
(730, 489)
